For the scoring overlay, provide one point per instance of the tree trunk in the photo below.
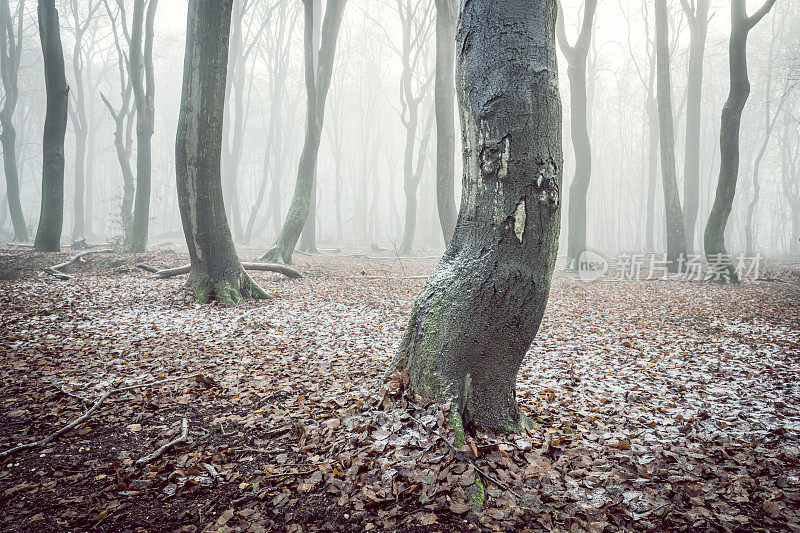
(698, 25)
(480, 309)
(51, 218)
(581, 143)
(676, 235)
(216, 273)
(10, 55)
(714, 238)
(308, 239)
(141, 61)
(444, 95)
(652, 170)
(317, 93)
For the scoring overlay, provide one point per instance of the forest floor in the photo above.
(657, 406)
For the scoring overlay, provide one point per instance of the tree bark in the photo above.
(579, 189)
(714, 237)
(51, 218)
(142, 79)
(317, 86)
(10, 56)
(698, 26)
(216, 273)
(444, 95)
(308, 239)
(676, 235)
(480, 309)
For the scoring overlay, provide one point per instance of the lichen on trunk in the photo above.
(481, 307)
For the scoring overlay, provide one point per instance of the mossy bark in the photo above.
(216, 271)
(481, 307)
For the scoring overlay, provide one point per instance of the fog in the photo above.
(361, 193)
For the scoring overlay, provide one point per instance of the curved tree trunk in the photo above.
(581, 143)
(444, 95)
(676, 235)
(698, 25)
(317, 91)
(51, 218)
(714, 237)
(216, 273)
(481, 307)
(10, 55)
(142, 79)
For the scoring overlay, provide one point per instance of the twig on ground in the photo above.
(80, 420)
(156, 454)
(473, 463)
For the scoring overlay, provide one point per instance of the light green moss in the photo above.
(479, 496)
(457, 424)
(202, 291)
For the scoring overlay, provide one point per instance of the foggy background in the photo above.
(360, 201)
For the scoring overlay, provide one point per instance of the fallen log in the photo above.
(72, 260)
(165, 273)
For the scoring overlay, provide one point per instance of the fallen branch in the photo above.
(287, 271)
(156, 454)
(80, 420)
(72, 260)
(56, 274)
(147, 268)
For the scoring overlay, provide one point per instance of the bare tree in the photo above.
(216, 273)
(770, 120)
(78, 114)
(51, 217)
(697, 14)
(416, 19)
(123, 118)
(143, 82)
(714, 238)
(790, 180)
(444, 95)
(676, 234)
(317, 85)
(482, 305)
(10, 56)
(579, 189)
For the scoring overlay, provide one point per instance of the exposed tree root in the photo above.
(80, 420)
(230, 291)
(186, 269)
(156, 454)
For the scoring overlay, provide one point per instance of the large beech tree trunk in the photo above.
(444, 96)
(142, 79)
(698, 25)
(676, 235)
(714, 238)
(51, 218)
(481, 307)
(581, 143)
(10, 56)
(317, 85)
(216, 273)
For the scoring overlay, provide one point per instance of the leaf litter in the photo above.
(654, 405)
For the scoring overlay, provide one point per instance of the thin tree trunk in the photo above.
(444, 95)
(10, 56)
(308, 239)
(481, 307)
(676, 235)
(216, 273)
(581, 143)
(317, 93)
(142, 79)
(714, 238)
(51, 218)
(698, 25)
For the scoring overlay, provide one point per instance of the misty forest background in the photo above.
(361, 196)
